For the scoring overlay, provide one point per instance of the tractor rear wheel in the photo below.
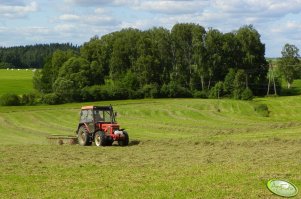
(83, 136)
(125, 141)
(100, 139)
(110, 142)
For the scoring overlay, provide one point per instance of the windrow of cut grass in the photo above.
(181, 148)
(162, 119)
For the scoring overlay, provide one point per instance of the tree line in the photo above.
(186, 61)
(30, 56)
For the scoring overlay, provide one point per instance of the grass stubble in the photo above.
(180, 148)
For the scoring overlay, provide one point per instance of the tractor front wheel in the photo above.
(83, 136)
(125, 141)
(99, 138)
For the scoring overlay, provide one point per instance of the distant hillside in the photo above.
(31, 56)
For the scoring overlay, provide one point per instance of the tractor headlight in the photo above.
(117, 132)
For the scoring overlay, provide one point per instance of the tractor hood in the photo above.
(109, 128)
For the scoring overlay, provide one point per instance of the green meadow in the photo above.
(15, 82)
(179, 148)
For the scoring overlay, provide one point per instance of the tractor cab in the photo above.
(98, 124)
(93, 116)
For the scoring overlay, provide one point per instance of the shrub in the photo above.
(173, 89)
(239, 84)
(237, 94)
(200, 94)
(51, 99)
(117, 92)
(228, 86)
(66, 89)
(262, 109)
(247, 94)
(217, 91)
(150, 91)
(164, 90)
(29, 99)
(94, 93)
(10, 100)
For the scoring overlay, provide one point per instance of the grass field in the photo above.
(183, 148)
(16, 82)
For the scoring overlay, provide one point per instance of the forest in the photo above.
(186, 61)
(30, 56)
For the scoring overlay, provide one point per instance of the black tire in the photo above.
(109, 141)
(83, 136)
(125, 141)
(100, 139)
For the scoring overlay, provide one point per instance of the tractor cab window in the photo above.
(98, 115)
(103, 116)
(90, 116)
(86, 116)
(107, 116)
(83, 116)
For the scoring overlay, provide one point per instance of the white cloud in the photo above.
(273, 8)
(92, 20)
(141, 24)
(3, 29)
(90, 3)
(210, 17)
(284, 7)
(100, 11)
(100, 20)
(288, 29)
(100, 17)
(14, 11)
(171, 7)
(69, 17)
(61, 28)
(12, 2)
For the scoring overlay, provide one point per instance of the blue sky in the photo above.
(76, 21)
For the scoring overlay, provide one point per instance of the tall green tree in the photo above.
(181, 35)
(161, 45)
(146, 66)
(94, 51)
(289, 64)
(253, 58)
(124, 52)
(199, 55)
(214, 43)
(44, 81)
(73, 76)
(232, 51)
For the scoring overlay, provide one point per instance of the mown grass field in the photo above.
(16, 82)
(183, 148)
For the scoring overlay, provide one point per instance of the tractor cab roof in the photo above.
(97, 108)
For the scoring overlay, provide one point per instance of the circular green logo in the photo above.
(282, 188)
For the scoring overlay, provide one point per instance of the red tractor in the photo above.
(97, 123)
